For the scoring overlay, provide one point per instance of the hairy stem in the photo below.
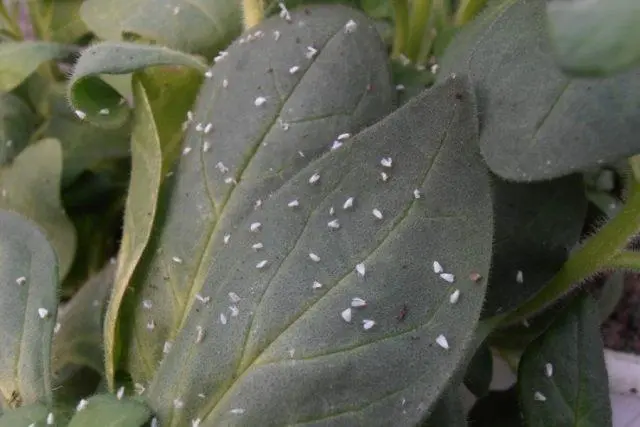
(605, 250)
(401, 13)
(253, 12)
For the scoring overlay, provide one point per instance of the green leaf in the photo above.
(25, 416)
(195, 26)
(611, 292)
(106, 410)
(538, 123)
(17, 123)
(238, 129)
(499, 408)
(596, 37)
(31, 187)
(287, 333)
(93, 98)
(576, 392)
(65, 24)
(28, 307)
(448, 411)
(537, 224)
(84, 145)
(162, 100)
(19, 59)
(78, 342)
(480, 371)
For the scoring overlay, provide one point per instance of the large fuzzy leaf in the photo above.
(31, 186)
(26, 416)
(325, 98)
(105, 410)
(17, 123)
(562, 379)
(595, 37)
(536, 122)
(196, 26)
(288, 335)
(537, 224)
(28, 308)
(449, 411)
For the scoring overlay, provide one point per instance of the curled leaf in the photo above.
(28, 308)
(94, 98)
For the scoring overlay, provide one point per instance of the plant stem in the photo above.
(417, 27)
(401, 14)
(467, 10)
(253, 12)
(606, 249)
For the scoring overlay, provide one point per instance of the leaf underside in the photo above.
(254, 368)
(537, 123)
(577, 391)
(29, 283)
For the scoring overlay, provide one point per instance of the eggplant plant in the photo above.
(220, 213)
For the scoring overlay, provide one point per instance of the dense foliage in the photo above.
(222, 213)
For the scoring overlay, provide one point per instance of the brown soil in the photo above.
(621, 331)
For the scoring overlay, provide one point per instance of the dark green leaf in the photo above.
(106, 410)
(499, 408)
(562, 379)
(28, 307)
(595, 37)
(92, 97)
(448, 411)
(611, 293)
(196, 26)
(19, 59)
(31, 187)
(480, 371)
(25, 416)
(280, 338)
(17, 123)
(536, 226)
(78, 342)
(409, 81)
(162, 101)
(536, 122)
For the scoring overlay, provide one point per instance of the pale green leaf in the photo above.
(562, 379)
(93, 98)
(19, 59)
(28, 308)
(30, 185)
(17, 123)
(106, 410)
(196, 26)
(162, 98)
(34, 415)
(596, 37)
(536, 122)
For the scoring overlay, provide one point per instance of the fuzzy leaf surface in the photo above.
(448, 411)
(249, 144)
(29, 283)
(537, 224)
(99, 101)
(577, 392)
(196, 26)
(19, 59)
(536, 122)
(595, 37)
(106, 410)
(17, 123)
(31, 187)
(286, 333)
(25, 416)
